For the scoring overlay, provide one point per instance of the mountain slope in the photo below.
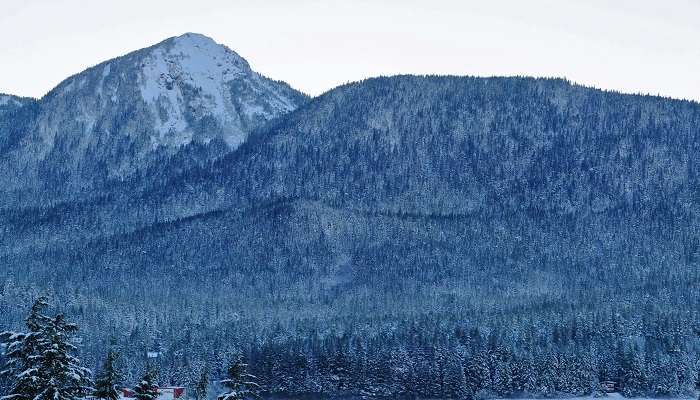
(121, 116)
(399, 222)
(449, 145)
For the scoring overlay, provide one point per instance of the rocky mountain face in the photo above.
(130, 113)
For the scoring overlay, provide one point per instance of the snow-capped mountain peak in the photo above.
(195, 59)
(153, 101)
(194, 63)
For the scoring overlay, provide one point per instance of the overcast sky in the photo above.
(628, 45)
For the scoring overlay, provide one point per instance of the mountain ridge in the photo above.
(300, 129)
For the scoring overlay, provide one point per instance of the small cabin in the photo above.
(608, 386)
(164, 393)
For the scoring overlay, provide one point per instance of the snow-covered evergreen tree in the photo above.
(60, 375)
(22, 351)
(41, 362)
(239, 383)
(478, 376)
(529, 376)
(634, 379)
(454, 381)
(109, 379)
(147, 389)
(202, 389)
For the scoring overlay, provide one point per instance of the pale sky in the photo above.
(635, 46)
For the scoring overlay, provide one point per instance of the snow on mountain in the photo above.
(121, 116)
(196, 61)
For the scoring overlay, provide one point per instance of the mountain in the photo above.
(400, 236)
(125, 115)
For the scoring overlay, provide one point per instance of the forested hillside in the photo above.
(430, 236)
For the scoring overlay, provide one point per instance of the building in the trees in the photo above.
(164, 393)
(609, 387)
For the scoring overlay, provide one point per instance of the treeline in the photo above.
(439, 372)
(411, 359)
(414, 309)
(428, 359)
(572, 359)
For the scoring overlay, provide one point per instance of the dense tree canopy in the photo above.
(432, 236)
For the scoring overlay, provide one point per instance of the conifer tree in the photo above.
(202, 388)
(147, 389)
(239, 383)
(107, 383)
(634, 379)
(64, 378)
(454, 384)
(21, 352)
(41, 361)
(477, 375)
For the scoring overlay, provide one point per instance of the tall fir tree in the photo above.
(62, 377)
(107, 383)
(22, 354)
(239, 383)
(42, 360)
(477, 375)
(634, 377)
(147, 388)
(201, 391)
(454, 384)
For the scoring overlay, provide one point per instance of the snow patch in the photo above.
(105, 73)
(193, 75)
(199, 63)
(251, 110)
